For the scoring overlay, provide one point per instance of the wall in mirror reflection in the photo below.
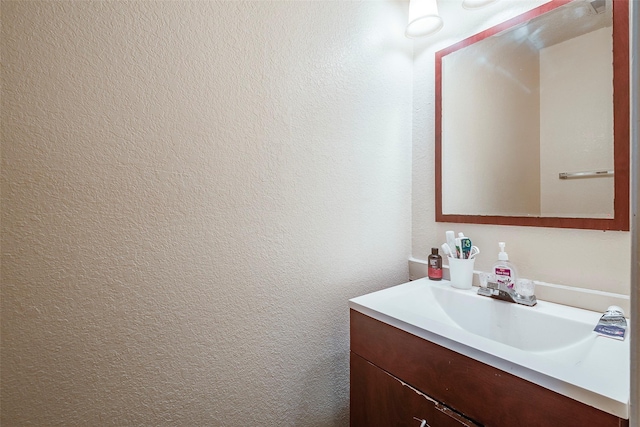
(543, 111)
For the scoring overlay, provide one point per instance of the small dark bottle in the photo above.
(435, 265)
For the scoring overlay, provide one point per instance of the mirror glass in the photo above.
(526, 119)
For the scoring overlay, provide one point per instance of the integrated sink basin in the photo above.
(546, 328)
(549, 344)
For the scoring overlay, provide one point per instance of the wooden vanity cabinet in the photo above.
(399, 379)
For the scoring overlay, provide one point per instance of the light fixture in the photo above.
(423, 18)
(476, 4)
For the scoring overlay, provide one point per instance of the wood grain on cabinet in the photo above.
(478, 391)
(378, 399)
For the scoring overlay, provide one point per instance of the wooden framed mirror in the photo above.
(519, 105)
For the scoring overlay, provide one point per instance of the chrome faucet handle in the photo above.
(525, 287)
(504, 293)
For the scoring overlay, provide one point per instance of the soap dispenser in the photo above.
(505, 271)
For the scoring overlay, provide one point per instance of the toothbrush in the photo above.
(474, 252)
(459, 248)
(447, 250)
(451, 241)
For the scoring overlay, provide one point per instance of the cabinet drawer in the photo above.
(481, 392)
(379, 399)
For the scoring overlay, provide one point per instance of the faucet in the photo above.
(504, 293)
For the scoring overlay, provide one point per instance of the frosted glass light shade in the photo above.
(423, 18)
(476, 4)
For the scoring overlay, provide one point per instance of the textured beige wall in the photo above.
(191, 191)
(582, 258)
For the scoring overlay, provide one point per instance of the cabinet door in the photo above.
(380, 399)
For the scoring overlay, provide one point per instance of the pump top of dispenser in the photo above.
(502, 255)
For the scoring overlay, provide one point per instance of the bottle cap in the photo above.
(434, 251)
(502, 255)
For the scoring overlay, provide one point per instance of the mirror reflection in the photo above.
(527, 118)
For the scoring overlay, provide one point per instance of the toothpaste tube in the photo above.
(612, 324)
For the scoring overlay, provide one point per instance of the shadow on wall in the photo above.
(326, 376)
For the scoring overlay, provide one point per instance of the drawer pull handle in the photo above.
(423, 423)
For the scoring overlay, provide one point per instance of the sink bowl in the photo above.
(536, 329)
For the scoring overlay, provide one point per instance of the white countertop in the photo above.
(590, 369)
